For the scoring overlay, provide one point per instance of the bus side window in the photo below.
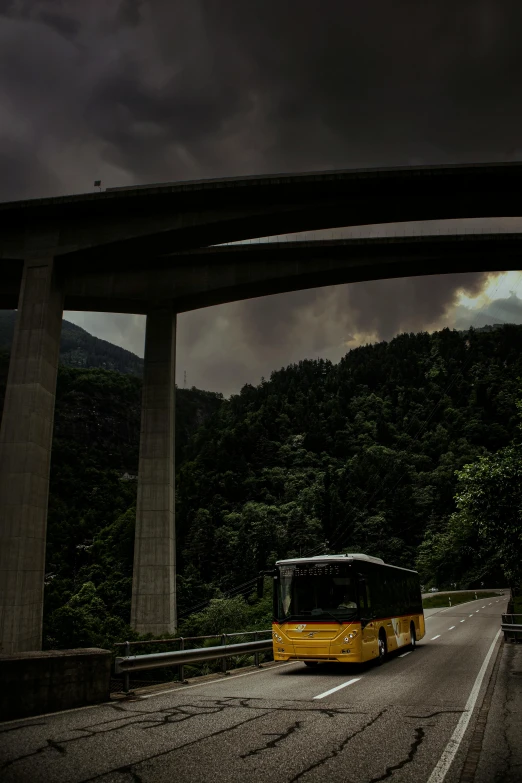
(404, 595)
(362, 595)
(412, 603)
(414, 595)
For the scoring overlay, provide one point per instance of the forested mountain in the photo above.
(358, 456)
(78, 348)
(362, 454)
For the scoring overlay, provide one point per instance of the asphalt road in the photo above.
(283, 723)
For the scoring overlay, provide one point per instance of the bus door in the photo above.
(369, 646)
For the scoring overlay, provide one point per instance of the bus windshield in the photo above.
(317, 591)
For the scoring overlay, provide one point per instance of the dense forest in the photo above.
(366, 455)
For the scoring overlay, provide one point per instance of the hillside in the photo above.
(361, 454)
(356, 456)
(78, 348)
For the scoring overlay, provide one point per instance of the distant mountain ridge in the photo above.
(79, 349)
(486, 328)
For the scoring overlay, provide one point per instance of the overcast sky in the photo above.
(131, 92)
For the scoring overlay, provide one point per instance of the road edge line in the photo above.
(472, 759)
(448, 754)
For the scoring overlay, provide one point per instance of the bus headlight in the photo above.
(350, 636)
(277, 637)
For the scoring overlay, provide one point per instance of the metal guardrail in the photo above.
(135, 663)
(512, 626)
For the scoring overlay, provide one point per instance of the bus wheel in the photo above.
(383, 647)
(413, 637)
(311, 663)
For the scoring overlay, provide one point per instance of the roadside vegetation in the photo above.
(439, 601)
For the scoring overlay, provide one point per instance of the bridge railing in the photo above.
(136, 663)
(512, 627)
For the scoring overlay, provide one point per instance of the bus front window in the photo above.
(318, 591)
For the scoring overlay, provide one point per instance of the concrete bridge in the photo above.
(146, 250)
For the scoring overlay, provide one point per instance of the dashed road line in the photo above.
(451, 629)
(462, 621)
(435, 637)
(337, 688)
(405, 654)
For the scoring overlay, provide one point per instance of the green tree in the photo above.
(489, 497)
(84, 622)
(454, 552)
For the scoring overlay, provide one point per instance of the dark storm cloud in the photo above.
(409, 304)
(172, 89)
(379, 309)
(349, 85)
(136, 92)
(279, 330)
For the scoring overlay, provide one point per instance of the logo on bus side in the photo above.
(300, 627)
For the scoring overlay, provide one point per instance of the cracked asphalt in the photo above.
(393, 722)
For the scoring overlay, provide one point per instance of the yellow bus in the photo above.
(347, 608)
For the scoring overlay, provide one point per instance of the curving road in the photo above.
(480, 591)
(283, 723)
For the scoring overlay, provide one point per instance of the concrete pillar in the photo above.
(25, 456)
(154, 576)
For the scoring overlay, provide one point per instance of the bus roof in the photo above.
(336, 558)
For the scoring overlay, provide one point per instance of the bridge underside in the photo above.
(205, 277)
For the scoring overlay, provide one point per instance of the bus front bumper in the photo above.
(346, 655)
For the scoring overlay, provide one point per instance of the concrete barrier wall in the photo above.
(34, 683)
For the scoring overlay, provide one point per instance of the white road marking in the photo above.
(405, 654)
(489, 604)
(337, 688)
(477, 610)
(444, 763)
(435, 637)
(451, 629)
(471, 615)
(482, 607)
(182, 688)
(462, 621)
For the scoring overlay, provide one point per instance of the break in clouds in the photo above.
(133, 92)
